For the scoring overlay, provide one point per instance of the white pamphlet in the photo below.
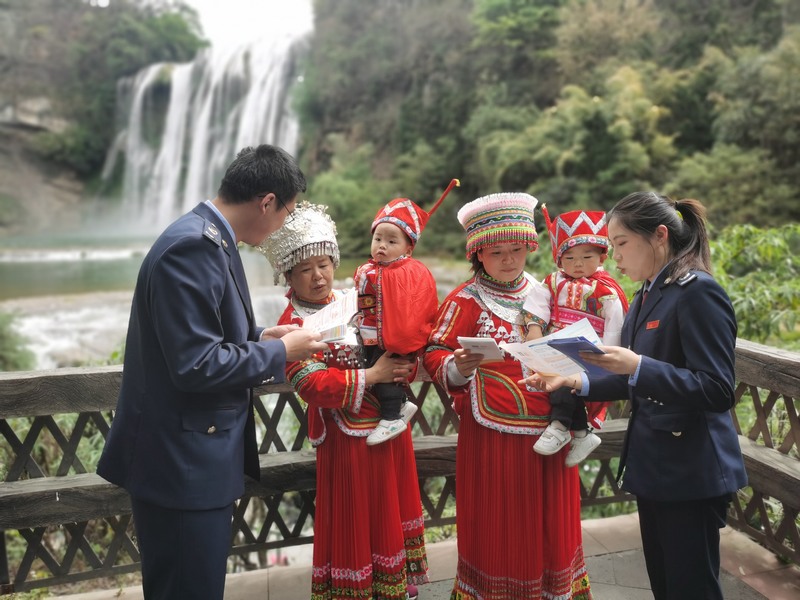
(543, 358)
(482, 345)
(333, 320)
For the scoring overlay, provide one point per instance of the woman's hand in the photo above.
(550, 383)
(466, 362)
(616, 359)
(389, 370)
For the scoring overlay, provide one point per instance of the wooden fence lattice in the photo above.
(52, 425)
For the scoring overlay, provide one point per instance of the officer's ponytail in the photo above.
(643, 212)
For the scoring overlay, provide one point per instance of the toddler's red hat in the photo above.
(574, 228)
(409, 217)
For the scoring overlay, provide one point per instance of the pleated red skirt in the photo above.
(368, 528)
(518, 517)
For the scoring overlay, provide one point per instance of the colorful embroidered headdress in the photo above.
(311, 232)
(409, 217)
(499, 219)
(574, 228)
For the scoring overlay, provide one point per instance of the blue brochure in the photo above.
(572, 347)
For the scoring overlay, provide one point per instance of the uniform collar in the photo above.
(223, 219)
(648, 284)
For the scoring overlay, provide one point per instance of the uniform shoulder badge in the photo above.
(687, 278)
(212, 232)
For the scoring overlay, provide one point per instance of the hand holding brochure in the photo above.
(572, 347)
(333, 320)
(482, 345)
(558, 353)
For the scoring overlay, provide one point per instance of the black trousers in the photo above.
(184, 552)
(568, 409)
(390, 395)
(681, 546)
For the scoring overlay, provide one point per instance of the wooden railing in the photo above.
(61, 523)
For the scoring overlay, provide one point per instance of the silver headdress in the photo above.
(311, 232)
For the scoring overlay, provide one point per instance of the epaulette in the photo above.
(212, 232)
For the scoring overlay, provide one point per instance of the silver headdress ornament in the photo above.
(311, 232)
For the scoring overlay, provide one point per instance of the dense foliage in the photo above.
(575, 101)
(760, 271)
(105, 45)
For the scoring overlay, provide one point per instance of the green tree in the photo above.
(576, 101)
(757, 101)
(353, 195)
(488, 131)
(759, 270)
(737, 186)
(685, 94)
(514, 37)
(111, 44)
(586, 150)
(595, 32)
(725, 24)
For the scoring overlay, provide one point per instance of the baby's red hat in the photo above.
(575, 228)
(409, 217)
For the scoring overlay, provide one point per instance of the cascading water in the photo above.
(186, 122)
(179, 126)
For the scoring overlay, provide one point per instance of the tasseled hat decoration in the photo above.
(575, 228)
(409, 217)
(311, 232)
(499, 219)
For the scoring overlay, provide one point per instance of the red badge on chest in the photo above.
(652, 325)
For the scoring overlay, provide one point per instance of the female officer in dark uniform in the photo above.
(681, 456)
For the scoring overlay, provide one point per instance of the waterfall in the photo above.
(182, 124)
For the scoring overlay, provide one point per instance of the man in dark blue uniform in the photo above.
(183, 434)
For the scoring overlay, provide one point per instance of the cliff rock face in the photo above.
(34, 195)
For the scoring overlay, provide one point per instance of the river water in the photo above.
(71, 297)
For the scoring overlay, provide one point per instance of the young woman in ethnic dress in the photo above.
(517, 512)
(368, 527)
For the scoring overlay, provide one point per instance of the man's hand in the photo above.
(277, 332)
(302, 343)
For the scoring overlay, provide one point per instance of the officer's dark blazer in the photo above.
(183, 432)
(681, 443)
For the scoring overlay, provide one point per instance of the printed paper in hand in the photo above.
(482, 345)
(333, 320)
(548, 359)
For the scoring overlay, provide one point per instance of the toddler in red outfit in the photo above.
(397, 302)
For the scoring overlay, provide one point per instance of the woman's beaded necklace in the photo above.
(305, 308)
(504, 299)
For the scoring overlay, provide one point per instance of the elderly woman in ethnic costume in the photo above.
(368, 528)
(518, 512)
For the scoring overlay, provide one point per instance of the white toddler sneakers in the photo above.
(581, 448)
(385, 431)
(552, 440)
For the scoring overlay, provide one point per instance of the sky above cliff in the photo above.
(233, 22)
